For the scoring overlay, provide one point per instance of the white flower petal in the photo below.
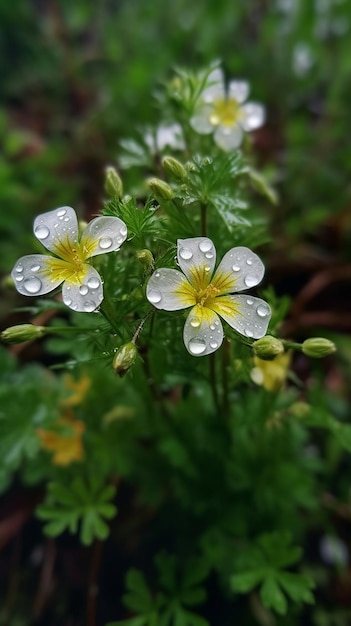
(215, 87)
(32, 275)
(228, 137)
(197, 259)
(169, 290)
(253, 116)
(103, 234)
(171, 136)
(201, 120)
(56, 226)
(239, 269)
(239, 90)
(85, 294)
(248, 315)
(203, 331)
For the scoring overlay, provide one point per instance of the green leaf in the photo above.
(297, 586)
(272, 597)
(244, 582)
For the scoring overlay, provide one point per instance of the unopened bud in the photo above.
(146, 258)
(268, 348)
(318, 347)
(174, 168)
(22, 332)
(299, 409)
(113, 183)
(124, 358)
(161, 190)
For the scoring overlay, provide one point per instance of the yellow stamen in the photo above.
(226, 112)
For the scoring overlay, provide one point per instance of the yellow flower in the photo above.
(79, 390)
(209, 293)
(271, 374)
(37, 274)
(65, 442)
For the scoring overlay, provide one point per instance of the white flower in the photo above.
(225, 113)
(208, 293)
(37, 274)
(165, 137)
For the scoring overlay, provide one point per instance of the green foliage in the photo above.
(83, 504)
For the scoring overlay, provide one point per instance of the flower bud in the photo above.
(22, 332)
(124, 358)
(146, 258)
(113, 183)
(161, 190)
(174, 168)
(318, 347)
(268, 348)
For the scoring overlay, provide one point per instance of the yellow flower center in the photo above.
(71, 264)
(226, 112)
(206, 296)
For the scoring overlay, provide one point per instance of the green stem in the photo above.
(140, 327)
(213, 380)
(291, 345)
(203, 217)
(225, 365)
(108, 311)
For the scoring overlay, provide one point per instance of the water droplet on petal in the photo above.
(209, 255)
(19, 268)
(67, 301)
(61, 212)
(35, 267)
(89, 306)
(93, 282)
(236, 268)
(251, 280)
(249, 301)
(105, 243)
(197, 346)
(74, 306)
(249, 261)
(42, 232)
(262, 310)
(119, 240)
(217, 322)
(213, 345)
(185, 254)
(205, 245)
(195, 322)
(83, 290)
(248, 332)
(66, 219)
(157, 275)
(154, 296)
(123, 230)
(32, 284)
(19, 277)
(207, 268)
(212, 327)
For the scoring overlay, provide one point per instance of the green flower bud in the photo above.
(124, 358)
(146, 258)
(318, 347)
(22, 332)
(299, 409)
(174, 168)
(113, 183)
(268, 348)
(161, 190)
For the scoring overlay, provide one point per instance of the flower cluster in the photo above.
(37, 274)
(225, 113)
(208, 293)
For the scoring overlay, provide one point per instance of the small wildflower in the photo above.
(209, 296)
(271, 374)
(65, 441)
(225, 113)
(37, 274)
(170, 136)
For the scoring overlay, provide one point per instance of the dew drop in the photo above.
(195, 322)
(217, 323)
(209, 255)
(213, 345)
(32, 285)
(67, 301)
(83, 290)
(205, 246)
(89, 306)
(66, 219)
(93, 282)
(262, 310)
(236, 268)
(61, 212)
(185, 253)
(157, 275)
(35, 267)
(19, 277)
(248, 332)
(42, 232)
(154, 296)
(19, 268)
(251, 280)
(74, 306)
(207, 268)
(249, 301)
(249, 261)
(119, 240)
(123, 230)
(105, 243)
(197, 346)
(212, 327)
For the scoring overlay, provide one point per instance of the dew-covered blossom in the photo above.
(209, 293)
(57, 230)
(225, 112)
